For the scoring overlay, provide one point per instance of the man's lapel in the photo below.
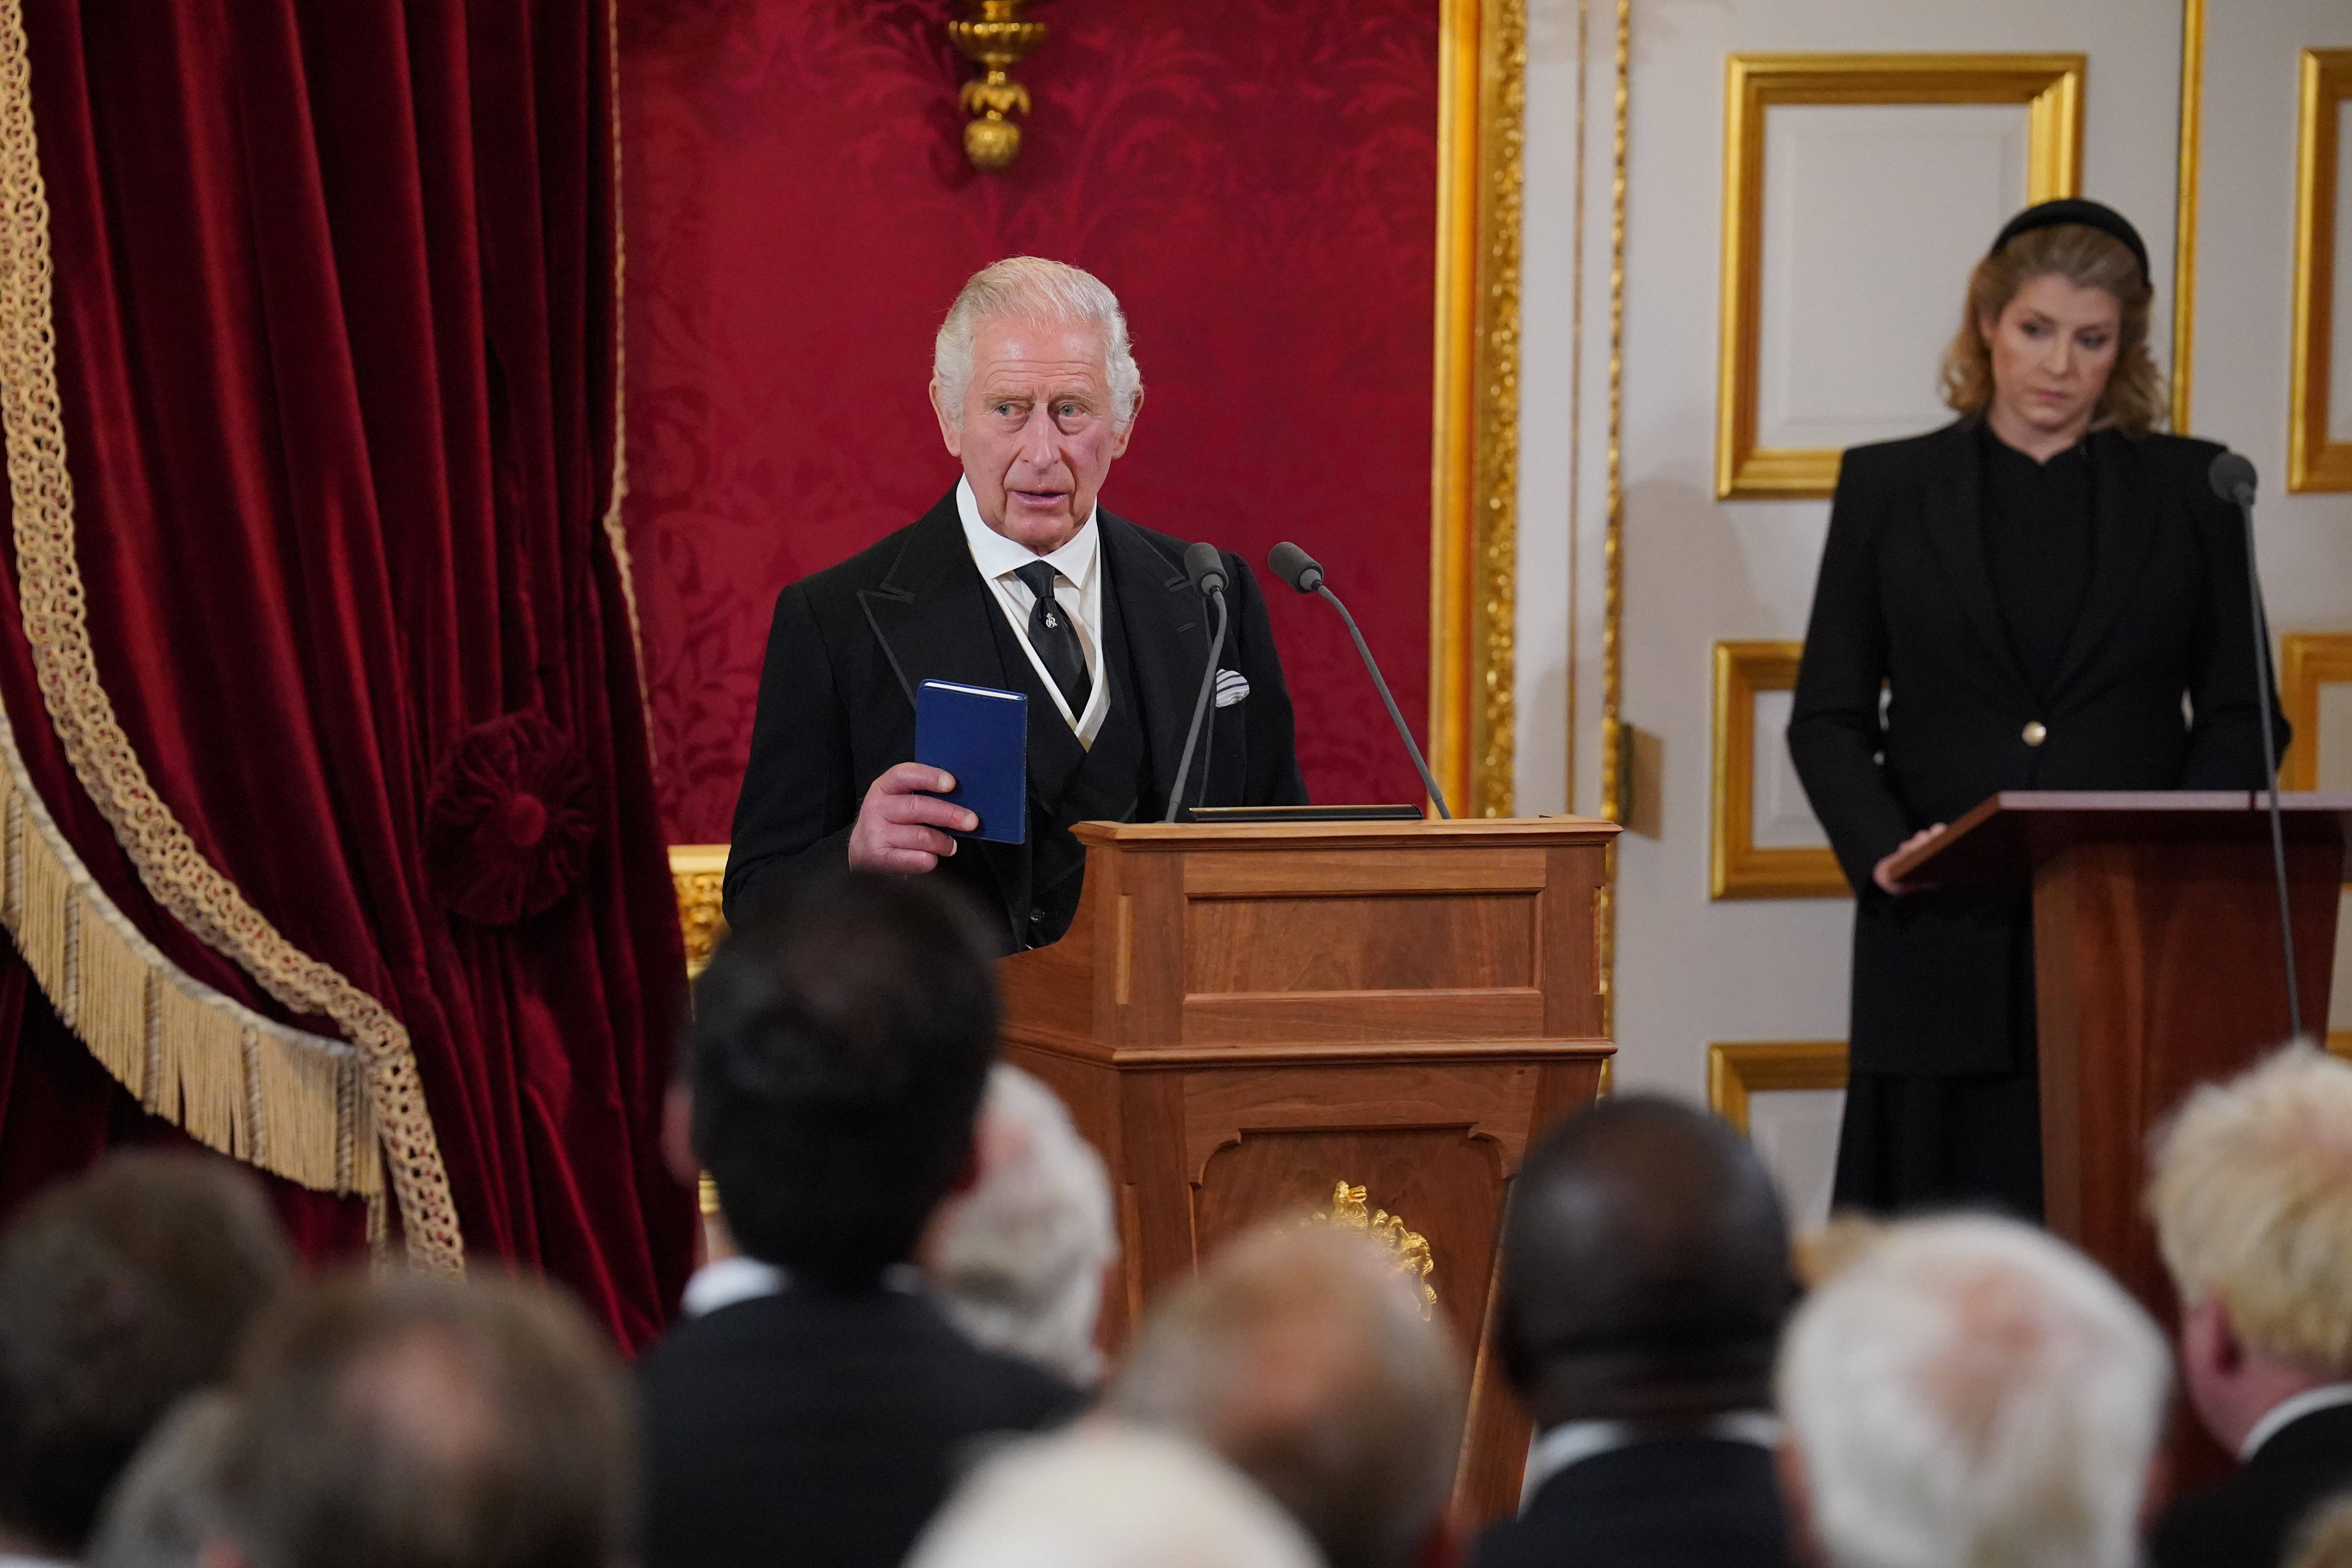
(2120, 510)
(930, 615)
(1956, 524)
(1167, 627)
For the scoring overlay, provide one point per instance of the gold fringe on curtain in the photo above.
(290, 1102)
(234, 1081)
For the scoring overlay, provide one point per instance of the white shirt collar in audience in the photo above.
(15, 1560)
(2288, 1411)
(1573, 1442)
(724, 1281)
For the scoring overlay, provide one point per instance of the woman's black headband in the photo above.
(2074, 209)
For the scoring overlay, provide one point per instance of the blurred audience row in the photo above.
(896, 1360)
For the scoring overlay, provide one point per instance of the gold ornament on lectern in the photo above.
(1414, 1260)
(997, 38)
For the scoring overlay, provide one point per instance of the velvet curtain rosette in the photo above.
(354, 733)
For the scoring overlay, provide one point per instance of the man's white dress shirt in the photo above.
(1078, 590)
(1573, 1442)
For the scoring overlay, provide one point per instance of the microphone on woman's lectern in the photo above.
(2232, 477)
(1206, 568)
(1298, 569)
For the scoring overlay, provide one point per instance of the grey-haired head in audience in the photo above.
(1103, 1495)
(1971, 1391)
(168, 1503)
(1018, 1262)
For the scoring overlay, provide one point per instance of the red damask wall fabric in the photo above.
(1256, 182)
(334, 308)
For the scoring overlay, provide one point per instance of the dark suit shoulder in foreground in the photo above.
(813, 1428)
(2250, 1520)
(1674, 1502)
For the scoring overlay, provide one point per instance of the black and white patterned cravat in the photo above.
(1053, 637)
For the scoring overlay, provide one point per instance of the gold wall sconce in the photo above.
(997, 38)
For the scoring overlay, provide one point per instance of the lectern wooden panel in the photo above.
(1244, 1017)
(2157, 967)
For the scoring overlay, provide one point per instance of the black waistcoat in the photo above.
(1070, 783)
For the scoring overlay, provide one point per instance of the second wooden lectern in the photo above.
(2158, 966)
(1364, 1022)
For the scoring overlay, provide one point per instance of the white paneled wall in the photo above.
(1874, 217)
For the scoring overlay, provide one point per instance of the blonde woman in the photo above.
(2049, 597)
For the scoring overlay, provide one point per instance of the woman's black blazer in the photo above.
(2156, 691)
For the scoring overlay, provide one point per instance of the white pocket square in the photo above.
(1232, 687)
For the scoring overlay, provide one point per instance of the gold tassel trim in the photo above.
(196, 1061)
(293, 1103)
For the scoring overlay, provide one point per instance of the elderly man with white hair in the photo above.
(1016, 581)
(2252, 1199)
(1970, 1394)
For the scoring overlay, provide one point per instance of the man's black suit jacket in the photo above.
(849, 646)
(2251, 1519)
(1904, 601)
(1671, 1502)
(808, 1427)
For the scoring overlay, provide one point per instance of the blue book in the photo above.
(982, 736)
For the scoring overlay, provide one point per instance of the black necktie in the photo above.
(1056, 640)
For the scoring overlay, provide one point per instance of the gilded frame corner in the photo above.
(1735, 1070)
(1474, 452)
(2307, 661)
(1736, 868)
(2049, 86)
(2313, 461)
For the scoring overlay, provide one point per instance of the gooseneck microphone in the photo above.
(1206, 569)
(1298, 569)
(2232, 477)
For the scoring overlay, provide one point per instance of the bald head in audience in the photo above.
(1972, 1392)
(1645, 1268)
(1645, 1278)
(423, 1424)
(1303, 1358)
(1107, 1496)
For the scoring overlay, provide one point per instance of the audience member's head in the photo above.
(2326, 1541)
(1969, 1392)
(1018, 1261)
(841, 1042)
(424, 1424)
(1302, 1357)
(121, 1290)
(2253, 1201)
(1645, 1269)
(1107, 1496)
(168, 1503)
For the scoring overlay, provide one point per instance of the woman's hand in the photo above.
(1887, 883)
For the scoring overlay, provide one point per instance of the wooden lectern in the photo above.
(2156, 967)
(1249, 1019)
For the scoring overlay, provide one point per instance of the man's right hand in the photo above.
(898, 826)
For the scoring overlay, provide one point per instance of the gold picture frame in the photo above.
(1736, 868)
(697, 874)
(2050, 86)
(1474, 432)
(2313, 461)
(2307, 661)
(1737, 1069)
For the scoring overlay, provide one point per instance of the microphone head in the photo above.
(2232, 479)
(1206, 567)
(1295, 567)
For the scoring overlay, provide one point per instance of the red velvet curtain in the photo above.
(334, 308)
